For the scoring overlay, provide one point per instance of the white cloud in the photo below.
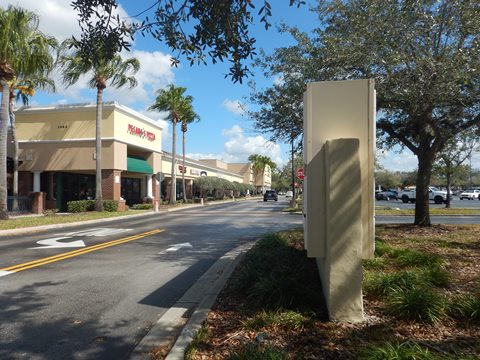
(239, 147)
(234, 106)
(160, 118)
(155, 73)
(398, 160)
(57, 17)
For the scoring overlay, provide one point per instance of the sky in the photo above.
(223, 132)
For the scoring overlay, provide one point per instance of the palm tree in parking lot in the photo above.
(24, 52)
(116, 71)
(178, 106)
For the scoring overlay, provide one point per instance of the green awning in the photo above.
(138, 165)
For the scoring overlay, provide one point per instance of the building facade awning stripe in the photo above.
(138, 165)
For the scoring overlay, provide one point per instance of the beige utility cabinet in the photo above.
(339, 149)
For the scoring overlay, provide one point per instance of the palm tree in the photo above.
(22, 90)
(24, 52)
(254, 160)
(178, 107)
(116, 71)
(259, 164)
(188, 118)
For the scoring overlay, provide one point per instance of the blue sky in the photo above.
(223, 131)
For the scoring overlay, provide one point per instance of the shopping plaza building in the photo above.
(57, 157)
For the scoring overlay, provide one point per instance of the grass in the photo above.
(399, 351)
(32, 221)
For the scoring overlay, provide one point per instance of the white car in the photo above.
(289, 194)
(470, 194)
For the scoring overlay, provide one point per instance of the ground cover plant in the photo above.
(421, 301)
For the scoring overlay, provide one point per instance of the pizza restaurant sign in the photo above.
(144, 134)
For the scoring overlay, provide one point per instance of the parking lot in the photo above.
(455, 203)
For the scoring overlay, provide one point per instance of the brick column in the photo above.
(111, 184)
(25, 183)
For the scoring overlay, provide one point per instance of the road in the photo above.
(95, 291)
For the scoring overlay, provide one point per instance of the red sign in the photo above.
(135, 130)
(181, 169)
(300, 174)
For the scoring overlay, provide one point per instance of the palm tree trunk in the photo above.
(173, 187)
(98, 152)
(183, 168)
(15, 156)
(3, 149)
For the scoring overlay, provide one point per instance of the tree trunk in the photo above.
(15, 156)
(3, 149)
(449, 180)
(98, 152)
(422, 205)
(183, 168)
(173, 187)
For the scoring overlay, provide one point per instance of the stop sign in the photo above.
(300, 173)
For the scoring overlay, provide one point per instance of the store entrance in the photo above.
(131, 191)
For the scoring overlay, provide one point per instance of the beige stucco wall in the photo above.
(194, 170)
(123, 131)
(62, 138)
(59, 124)
(243, 169)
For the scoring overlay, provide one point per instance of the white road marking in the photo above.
(176, 248)
(54, 243)
(5, 273)
(97, 232)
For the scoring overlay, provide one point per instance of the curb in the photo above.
(199, 299)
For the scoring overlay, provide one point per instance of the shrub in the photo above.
(257, 352)
(281, 318)
(50, 212)
(437, 276)
(417, 303)
(80, 206)
(110, 205)
(142, 207)
(401, 351)
(466, 307)
(408, 257)
(381, 284)
(272, 276)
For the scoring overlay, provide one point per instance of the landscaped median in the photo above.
(421, 299)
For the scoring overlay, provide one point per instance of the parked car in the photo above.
(386, 195)
(289, 194)
(434, 194)
(270, 195)
(470, 194)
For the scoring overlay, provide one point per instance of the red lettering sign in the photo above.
(135, 130)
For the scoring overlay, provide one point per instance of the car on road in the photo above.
(270, 195)
(470, 194)
(289, 194)
(386, 195)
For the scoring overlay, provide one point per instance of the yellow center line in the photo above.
(70, 254)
